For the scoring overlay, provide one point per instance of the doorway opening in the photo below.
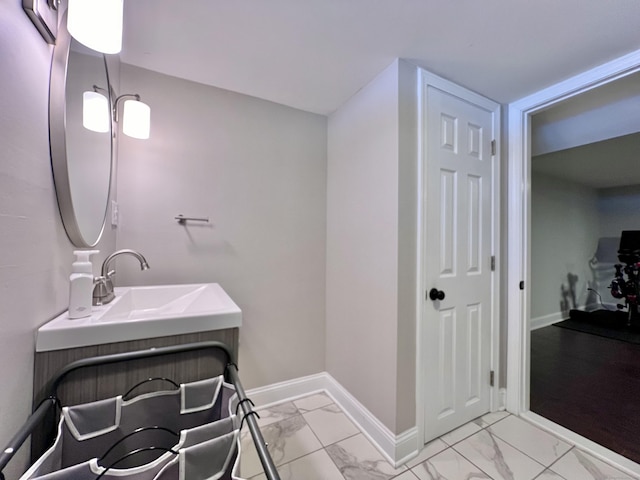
(520, 278)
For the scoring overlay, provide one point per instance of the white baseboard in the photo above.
(546, 320)
(289, 390)
(397, 449)
(502, 399)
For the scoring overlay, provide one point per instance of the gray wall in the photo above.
(618, 210)
(565, 228)
(35, 255)
(570, 224)
(258, 170)
(370, 255)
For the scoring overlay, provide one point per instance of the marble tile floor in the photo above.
(311, 438)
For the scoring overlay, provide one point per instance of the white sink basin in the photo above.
(144, 312)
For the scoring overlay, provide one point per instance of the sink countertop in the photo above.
(144, 312)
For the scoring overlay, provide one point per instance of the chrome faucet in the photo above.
(103, 285)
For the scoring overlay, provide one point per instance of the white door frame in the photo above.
(519, 236)
(428, 79)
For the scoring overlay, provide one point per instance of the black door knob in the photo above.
(435, 294)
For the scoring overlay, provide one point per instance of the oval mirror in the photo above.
(81, 158)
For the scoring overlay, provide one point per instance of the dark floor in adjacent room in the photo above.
(588, 384)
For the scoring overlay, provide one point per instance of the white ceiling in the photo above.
(605, 164)
(315, 54)
(609, 111)
(591, 139)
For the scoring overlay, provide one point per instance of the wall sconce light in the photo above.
(96, 114)
(136, 116)
(44, 15)
(96, 24)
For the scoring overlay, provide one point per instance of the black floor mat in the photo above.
(604, 323)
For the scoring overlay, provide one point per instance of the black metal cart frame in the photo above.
(231, 372)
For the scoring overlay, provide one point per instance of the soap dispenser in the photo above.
(81, 284)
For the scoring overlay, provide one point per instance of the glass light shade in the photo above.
(136, 119)
(96, 24)
(96, 115)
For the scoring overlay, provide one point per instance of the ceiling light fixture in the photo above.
(97, 24)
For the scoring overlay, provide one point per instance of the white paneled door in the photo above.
(459, 239)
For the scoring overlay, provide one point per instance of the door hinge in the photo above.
(492, 377)
(493, 263)
(493, 147)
